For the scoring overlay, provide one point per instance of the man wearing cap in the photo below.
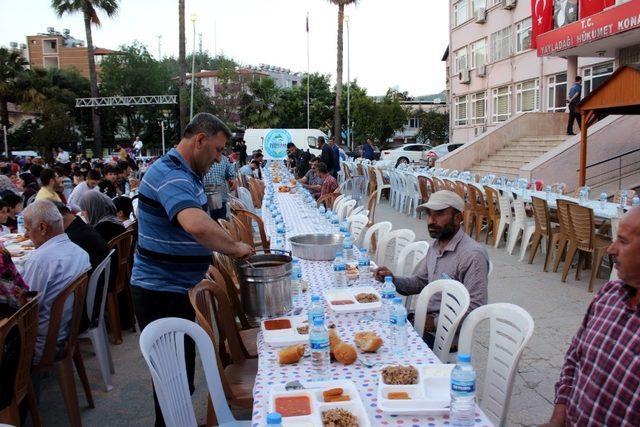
(453, 255)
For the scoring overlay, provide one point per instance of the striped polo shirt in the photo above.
(167, 257)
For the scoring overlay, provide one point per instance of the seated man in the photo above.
(453, 255)
(90, 183)
(249, 169)
(312, 181)
(329, 183)
(599, 381)
(124, 207)
(50, 181)
(52, 267)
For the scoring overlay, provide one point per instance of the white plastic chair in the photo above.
(357, 223)
(409, 258)
(245, 197)
(521, 224)
(359, 210)
(454, 304)
(391, 244)
(506, 218)
(412, 194)
(162, 345)
(380, 183)
(378, 230)
(345, 208)
(336, 202)
(401, 188)
(510, 329)
(97, 331)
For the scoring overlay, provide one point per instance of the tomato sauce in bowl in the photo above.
(293, 406)
(276, 324)
(342, 302)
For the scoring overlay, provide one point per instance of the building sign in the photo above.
(275, 144)
(587, 30)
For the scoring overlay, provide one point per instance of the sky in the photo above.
(394, 43)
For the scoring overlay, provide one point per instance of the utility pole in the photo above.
(193, 64)
(215, 38)
(159, 47)
(200, 44)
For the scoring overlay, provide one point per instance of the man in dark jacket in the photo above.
(300, 159)
(327, 156)
(336, 157)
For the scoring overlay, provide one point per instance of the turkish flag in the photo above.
(589, 7)
(541, 18)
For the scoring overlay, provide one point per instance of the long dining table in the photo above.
(319, 276)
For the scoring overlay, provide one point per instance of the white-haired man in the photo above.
(55, 263)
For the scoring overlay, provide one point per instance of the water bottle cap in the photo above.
(464, 358)
(338, 253)
(347, 234)
(388, 278)
(364, 250)
(397, 300)
(315, 298)
(296, 261)
(318, 321)
(274, 418)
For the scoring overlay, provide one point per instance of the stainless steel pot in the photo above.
(316, 247)
(265, 284)
(214, 196)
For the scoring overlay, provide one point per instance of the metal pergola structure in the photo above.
(126, 101)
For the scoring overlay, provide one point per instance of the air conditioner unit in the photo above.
(481, 15)
(481, 71)
(13, 45)
(509, 4)
(464, 76)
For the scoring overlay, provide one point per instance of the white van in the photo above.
(273, 142)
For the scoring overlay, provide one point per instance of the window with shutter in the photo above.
(501, 104)
(528, 96)
(461, 111)
(478, 108)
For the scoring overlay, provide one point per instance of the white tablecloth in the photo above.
(319, 276)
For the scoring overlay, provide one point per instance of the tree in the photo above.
(89, 10)
(292, 106)
(337, 118)
(183, 98)
(11, 66)
(434, 126)
(258, 105)
(377, 120)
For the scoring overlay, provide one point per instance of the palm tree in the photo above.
(337, 118)
(89, 9)
(11, 66)
(182, 62)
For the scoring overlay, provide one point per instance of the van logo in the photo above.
(275, 144)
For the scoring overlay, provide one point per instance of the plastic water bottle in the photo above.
(623, 198)
(296, 281)
(316, 310)
(319, 343)
(364, 266)
(463, 392)
(20, 220)
(335, 222)
(548, 193)
(274, 419)
(635, 201)
(348, 250)
(388, 293)
(398, 326)
(127, 187)
(322, 210)
(343, 227)
(340, 270)
(582, 197)
(603, 200)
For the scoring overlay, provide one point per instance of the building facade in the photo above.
(493, 73)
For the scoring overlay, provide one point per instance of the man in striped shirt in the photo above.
(600, 379)
(176, 235)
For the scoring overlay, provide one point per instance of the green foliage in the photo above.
(11, 67)
(373, 119)
(258, 105)
(434, 127)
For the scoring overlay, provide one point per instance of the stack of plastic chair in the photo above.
(521, 224)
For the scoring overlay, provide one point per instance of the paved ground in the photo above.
(556, 307)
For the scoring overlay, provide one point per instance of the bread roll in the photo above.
(345, 353)
(368, 341)
(334, 340)
(291, 354)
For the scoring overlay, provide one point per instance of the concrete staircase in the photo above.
(509, 159)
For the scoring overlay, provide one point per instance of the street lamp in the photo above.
(346, 18)
(194, 18)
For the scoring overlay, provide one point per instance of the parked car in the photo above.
(430, 156)
(409, 153)
(358, 149)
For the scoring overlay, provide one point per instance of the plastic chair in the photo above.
(562, 209)
(521, 224)
(245, 197)
(122, 244)
(409, 258)
(97, 332)
(327, 200)
(412, 194)
(617, 197)
(372, 203)
(357, 223)
(543, 230)
(336, 202)
(510, 328)
(454, 304)
(345, 209)
(380, 184)
(425, 184)
(479, 208)
(252, 221)
(493, 213)
(162, 346)
(391, 244)
(60, 357)
(373, 235)
(506, 218)
(358, 210)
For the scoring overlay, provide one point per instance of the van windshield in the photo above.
(312, 141)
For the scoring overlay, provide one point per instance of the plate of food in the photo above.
(285, 331)
(324, 403)
(349, 300)
(415, 389)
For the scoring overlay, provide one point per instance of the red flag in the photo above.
(589, 7)
(541, 18)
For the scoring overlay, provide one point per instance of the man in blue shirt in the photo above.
(574, 98)
(176, 235)
(221, 177)
(368, 152)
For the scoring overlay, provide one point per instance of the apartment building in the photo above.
(493, 73)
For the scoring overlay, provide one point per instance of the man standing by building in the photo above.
(368, 152)
(336, 157)
(137, 146)
(176, 235)
(599, 381)
(220, 178)
(575, 94)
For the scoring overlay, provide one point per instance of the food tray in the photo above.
(314, 419)
(349, 294)
(285, 337)
(430, 396)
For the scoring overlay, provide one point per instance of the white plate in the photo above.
(349, 294)
(318, 405)
(431, 396)
(286, 337)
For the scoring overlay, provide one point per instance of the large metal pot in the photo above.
(317, 246)
(265, 284)
(214, 196)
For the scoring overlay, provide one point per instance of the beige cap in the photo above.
(441, 200)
